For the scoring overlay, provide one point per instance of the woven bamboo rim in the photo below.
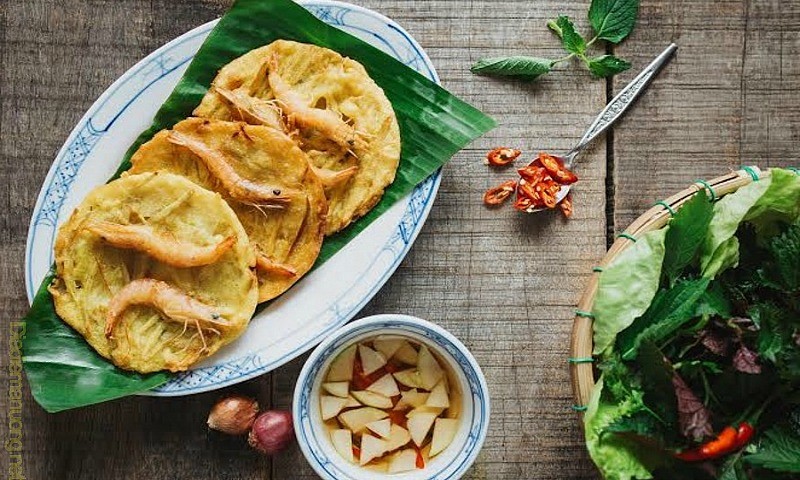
(581, 365)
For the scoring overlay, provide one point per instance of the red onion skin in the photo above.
(272, 432)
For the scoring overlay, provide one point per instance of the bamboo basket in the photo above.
(581, 365)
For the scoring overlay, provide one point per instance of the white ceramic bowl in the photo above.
(453, 462)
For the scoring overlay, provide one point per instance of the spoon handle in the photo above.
(624, 99)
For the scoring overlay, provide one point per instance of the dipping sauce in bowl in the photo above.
(390, 404)
(391, 396)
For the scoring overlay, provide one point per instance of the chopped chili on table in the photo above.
(498, 195)
(538, 186)
(502, 156)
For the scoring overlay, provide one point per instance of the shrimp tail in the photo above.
(332, 178)
(267, 265)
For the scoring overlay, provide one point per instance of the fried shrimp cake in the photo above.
(154, 272)
(329, 105)
(265, 178)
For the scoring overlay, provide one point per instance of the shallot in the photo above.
(233, 415)
(271, 432)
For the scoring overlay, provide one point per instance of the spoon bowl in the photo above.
(610, 114)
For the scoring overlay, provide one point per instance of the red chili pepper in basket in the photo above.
(744, 434)
(728, 441)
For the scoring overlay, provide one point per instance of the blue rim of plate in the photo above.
(479, 423)
(154, 67)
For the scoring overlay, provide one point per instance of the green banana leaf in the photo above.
(62, 369)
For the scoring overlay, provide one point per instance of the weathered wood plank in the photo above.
(726, 100)
(502, 283)
(58, 56)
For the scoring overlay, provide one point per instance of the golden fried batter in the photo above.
(227, 157)
(331, 108)
(99, 288)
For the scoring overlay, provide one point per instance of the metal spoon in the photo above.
(613, 111)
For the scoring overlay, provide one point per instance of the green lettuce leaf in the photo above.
(626, 287)
(765, 202)
(62, 369)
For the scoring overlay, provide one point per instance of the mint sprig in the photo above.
(611, 20)
(526, 68)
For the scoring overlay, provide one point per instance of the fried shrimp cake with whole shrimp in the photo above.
(154, 272)
(329, 106)
(263, 176)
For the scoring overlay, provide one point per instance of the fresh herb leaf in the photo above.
(553, 25)
(522, 67)
(775, 198)
(607, 65)
(640, 425)
(620, 380)
(785, 250)
(571, 40)
(746, 360)
(714, 302)
(775, 341)
(779, 450)
(733, 469)
(687, 230)
(617, 456)
(659, 392)
(669, 311)
(613, 20)
(693, 417)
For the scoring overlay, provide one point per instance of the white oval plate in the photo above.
(317, 305)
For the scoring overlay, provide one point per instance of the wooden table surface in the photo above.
(505, 284)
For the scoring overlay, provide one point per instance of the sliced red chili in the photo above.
(502, 156)
(529, 190)
(523, 203)
(566, 205)
(532, 173)
(548, 192)
(420, 459)
(555, 167)
(497, 195)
